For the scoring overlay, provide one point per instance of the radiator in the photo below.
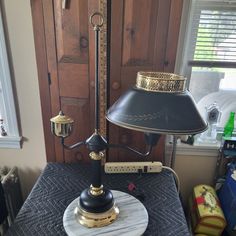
(12, 190)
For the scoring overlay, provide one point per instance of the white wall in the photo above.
(194, 170)
(31, 158)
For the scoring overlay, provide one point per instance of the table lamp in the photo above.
(158, 104)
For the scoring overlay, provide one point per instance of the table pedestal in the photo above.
(132, 220)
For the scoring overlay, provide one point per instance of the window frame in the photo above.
(13, 139)
(183, 67)
(185, 60)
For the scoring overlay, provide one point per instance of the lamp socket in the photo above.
(133, 167)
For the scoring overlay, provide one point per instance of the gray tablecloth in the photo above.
(59, 184)
(3, 207)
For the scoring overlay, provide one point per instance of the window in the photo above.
(10, 138)
(207, 54)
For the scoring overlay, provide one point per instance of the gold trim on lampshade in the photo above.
(160, 82)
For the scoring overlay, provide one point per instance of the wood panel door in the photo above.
(69, 51)
(144, 37)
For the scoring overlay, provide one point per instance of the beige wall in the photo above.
(193, 170)
(31, 158)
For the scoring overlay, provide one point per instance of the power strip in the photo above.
(133, 167)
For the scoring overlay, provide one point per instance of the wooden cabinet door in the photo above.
(144, 37)
(69, 43)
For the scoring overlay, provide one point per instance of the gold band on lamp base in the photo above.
(95, 220)
(96, 191)
(96, 156)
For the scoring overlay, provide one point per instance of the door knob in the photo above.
(126, 139)
(83, 42)
(92, 84)
(115, 85)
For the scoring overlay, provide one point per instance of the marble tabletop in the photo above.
(131, 221)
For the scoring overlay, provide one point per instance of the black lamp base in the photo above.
(96, 211)
(96, 203)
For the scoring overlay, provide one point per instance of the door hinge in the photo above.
(49, 79)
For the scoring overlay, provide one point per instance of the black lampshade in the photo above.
(159, 103)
